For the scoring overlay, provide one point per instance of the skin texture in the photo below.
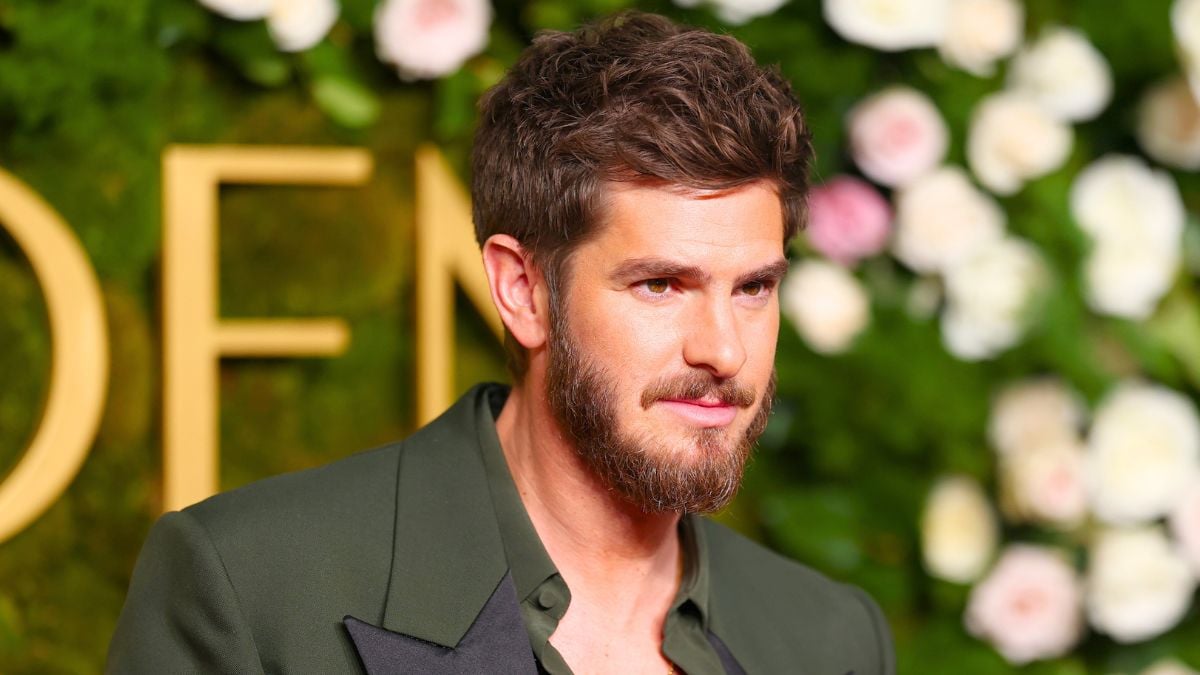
(675, 283)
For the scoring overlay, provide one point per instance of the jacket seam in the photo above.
(228, 582)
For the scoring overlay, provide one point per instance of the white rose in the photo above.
(979, 32)
(989, 295)
(241, 10)
(1168, 126)
(1185, 23)
(1184, 521)
(942, 219)
(1029, 607)
(1135, 217)
(1120, 194)
(430, 38)
(1045, 483)
(738, 12)
(827, 305)
(1012, 139)
(896, 135)
(296, 25)
(1064, 73)
(889, 25)
(1129, 280)
(1167, 667)
(1137, 585)
(958, 530)
(1033, 413)
(1143, 452)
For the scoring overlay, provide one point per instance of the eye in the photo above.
(757, 289)
(657, 286)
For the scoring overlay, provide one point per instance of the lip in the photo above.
(701, 412)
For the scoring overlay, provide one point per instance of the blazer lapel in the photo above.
(448, 558)
(495, 643)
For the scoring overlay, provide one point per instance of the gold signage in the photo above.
(195, 338)
(79, 356)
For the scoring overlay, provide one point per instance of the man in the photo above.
(635, 184)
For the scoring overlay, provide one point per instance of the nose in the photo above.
(714, 341)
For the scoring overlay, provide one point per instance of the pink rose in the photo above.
(1185, 525)
(1029, 607)
(430, 38)
(896, 136)
(848, 220)
(1045, 483)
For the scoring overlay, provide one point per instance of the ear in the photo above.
(518, 290)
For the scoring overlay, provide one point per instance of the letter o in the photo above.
(79, 356)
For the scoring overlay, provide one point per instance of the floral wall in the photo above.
(989, 368)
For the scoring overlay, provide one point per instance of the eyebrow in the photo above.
(655, 268)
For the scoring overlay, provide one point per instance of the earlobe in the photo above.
(516, 286)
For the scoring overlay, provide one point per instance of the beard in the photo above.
(701, 476)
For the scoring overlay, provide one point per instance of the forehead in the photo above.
(737, 226)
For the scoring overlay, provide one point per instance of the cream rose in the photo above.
(989, 295)
(942, 219)
(1185, 23)
(1029, 607)
(1137, 584)
(1135, 218)
(1034, 413)
(1143, 452)
(980, 32)
(1168, 126)
(889, 25)
(738, 12)
(240, 10)
(1167, 667)
(296, 25)
(430, 38)
(1045, 483)
(1063, 72)
(1129, 280)
(896, 135)
(1119, 194)
(1012, 139)
(958, 530)
(1184, 521)
(826, 304)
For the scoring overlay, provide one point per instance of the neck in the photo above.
(604, 546)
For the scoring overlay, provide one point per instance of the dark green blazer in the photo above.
(358, 565)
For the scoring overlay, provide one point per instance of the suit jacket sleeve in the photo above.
(181, 614)
(885, 654)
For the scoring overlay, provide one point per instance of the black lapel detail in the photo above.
(495, 643)
(732, 667)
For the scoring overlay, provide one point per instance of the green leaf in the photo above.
(345, 101)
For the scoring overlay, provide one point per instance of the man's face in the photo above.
(663, 343)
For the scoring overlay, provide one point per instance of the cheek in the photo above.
(634, 335)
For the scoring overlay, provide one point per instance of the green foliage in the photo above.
(92, 91)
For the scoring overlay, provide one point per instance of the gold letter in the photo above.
(194, 336)
(446, 249)
(79, 354)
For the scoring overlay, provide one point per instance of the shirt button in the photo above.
(546, 599)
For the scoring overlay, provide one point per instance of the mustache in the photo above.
(697, 385)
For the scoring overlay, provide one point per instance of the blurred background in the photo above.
(990, 360)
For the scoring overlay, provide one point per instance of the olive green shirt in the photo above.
(544, 595)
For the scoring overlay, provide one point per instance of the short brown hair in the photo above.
(634, 97)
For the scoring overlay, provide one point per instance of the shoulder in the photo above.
(355, 488)
(784, 610)
(310, 541)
